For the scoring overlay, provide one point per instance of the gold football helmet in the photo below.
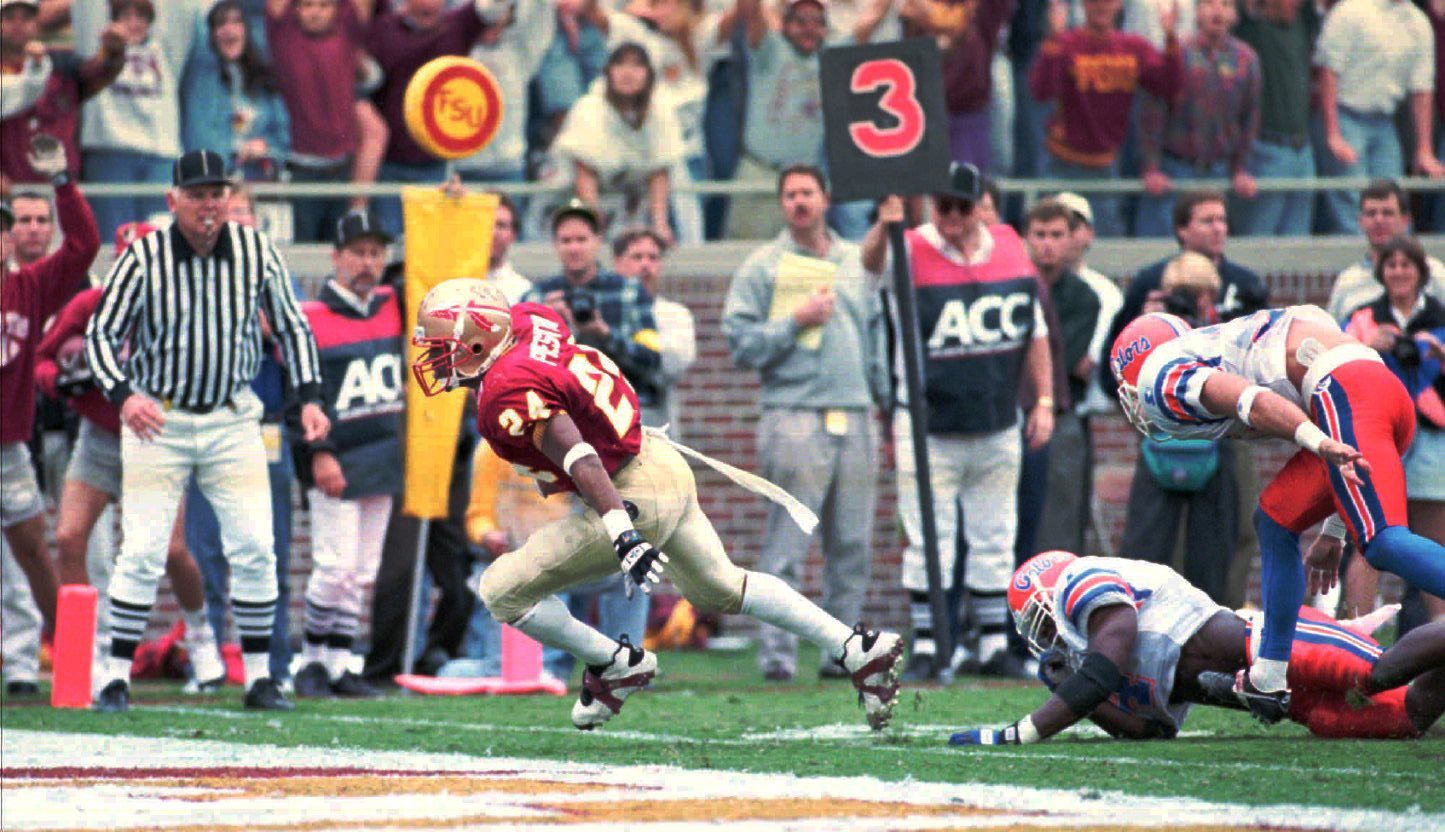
(462, 327)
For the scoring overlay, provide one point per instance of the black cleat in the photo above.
(22, 688)
(778, 674)
(114, 698)
(265, 695)
(351, 686)
(1239, 692)
(313, 682)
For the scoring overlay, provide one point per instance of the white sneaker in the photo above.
(605, 689)
(871, 658)
(208, 671)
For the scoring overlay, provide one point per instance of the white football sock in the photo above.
(550, 623)
(198, 627)
(336, 661)
(1268, 675)
(313, 652)
(991, 645)
(771, 601)
(117, 668)
(258, 667)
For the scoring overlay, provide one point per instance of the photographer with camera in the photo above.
(1406, 326)
(604, 310)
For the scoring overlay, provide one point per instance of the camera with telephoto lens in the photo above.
(1406, 351)
(583, 305)
(74, 380)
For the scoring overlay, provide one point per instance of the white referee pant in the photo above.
(975, 476)
(19, 621)
(224, 451)
(346, 542)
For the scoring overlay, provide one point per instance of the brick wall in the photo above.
(720, 415)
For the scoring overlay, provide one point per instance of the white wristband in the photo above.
(1334, 527)
(1246, 401)
(1028, 734)
(616, 522)
(578, 451)
(1309, 436)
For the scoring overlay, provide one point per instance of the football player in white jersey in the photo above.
(1130, 645)
(1288, 373)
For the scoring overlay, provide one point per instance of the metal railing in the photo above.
(1030, 189)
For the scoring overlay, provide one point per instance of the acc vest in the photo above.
(363, 389)
(976, 322)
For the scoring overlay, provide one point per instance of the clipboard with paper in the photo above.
(799, 278)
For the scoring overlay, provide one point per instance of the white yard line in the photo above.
(843, 733)
(70, 800)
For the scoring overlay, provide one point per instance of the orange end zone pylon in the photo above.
(74, 645)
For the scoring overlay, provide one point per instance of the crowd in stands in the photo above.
(625, 103)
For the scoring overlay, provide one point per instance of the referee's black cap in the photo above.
(199, 167)
(7, 217)
(356, 225)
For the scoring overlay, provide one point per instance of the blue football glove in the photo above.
(987, 736)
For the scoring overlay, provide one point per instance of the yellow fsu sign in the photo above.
(453, 107)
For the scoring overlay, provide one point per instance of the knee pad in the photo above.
(720, 596)
(501, 597)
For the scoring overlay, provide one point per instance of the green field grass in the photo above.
(713, 711)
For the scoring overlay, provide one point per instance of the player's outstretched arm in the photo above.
(1112, 631)
(561, 441)
(1271, 414)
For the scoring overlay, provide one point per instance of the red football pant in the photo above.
(1363, 405)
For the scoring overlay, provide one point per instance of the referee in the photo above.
(187, 301)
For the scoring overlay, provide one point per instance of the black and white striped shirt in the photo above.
(191, 322)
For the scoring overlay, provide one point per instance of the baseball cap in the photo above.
(577, 208)
(199, 167)
(7, 217)
(129, 233)
(964, 182)
(789, 5)
(32, 4)
(357, 225)
(1076, 204)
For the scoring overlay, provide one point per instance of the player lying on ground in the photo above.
(1255, 376)
(1131, 645)
(565, 415)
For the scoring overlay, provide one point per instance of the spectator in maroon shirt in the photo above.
(968, 80)
(56, 112)
(335, 136)
(402, 41)
(1093, 74)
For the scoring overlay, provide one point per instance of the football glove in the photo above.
(641, 562)
(987, 736)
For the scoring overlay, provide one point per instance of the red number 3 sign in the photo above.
(900, 100)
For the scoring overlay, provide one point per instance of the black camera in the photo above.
(583, 305)
(74, 381)
(1406, 351)
(1182, 302)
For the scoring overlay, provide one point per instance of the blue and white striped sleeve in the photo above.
(1089, 590)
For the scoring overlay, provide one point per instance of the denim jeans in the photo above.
(1156, 213)
(203, 538)
(124, 166)
(1108, 222)
(314, 220)
(1377, 147)
(564, 75)
(1277, 214)
(388, 209)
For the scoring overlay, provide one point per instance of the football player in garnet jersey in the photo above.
(564, 414)
(1290, 374)
(1130, 645)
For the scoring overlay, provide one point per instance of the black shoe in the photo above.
(313, 682)
(921, 669)
(22, 688)
(831, 670)
(266, 695)
(351, 686)
(431, 661)
(114, 698)
(1267, 707)
(778, 674)
(1006, 665)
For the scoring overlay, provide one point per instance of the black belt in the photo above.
(1193, 163)
(1296, 141)
(197, 409)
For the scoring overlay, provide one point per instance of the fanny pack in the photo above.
(1185, 465)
